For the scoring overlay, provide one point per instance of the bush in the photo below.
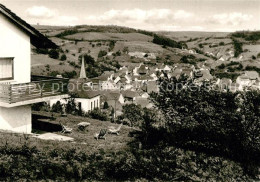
(102, 53)
(105, 105)
(133, 113)
(57, 107)
(167, 42)
(53, 53)
(89, 60)
(98, 114)
(63, 57)
(221, 43)
(238, 47)
(215, 122)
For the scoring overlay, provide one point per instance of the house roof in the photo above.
(152, 87)
(112, 95)
(142, 101)
(253, 75)
(129, 94)
(86, 94)
(36, 38)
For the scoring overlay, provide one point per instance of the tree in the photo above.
(133, 113)
(102, 53)
(89, 60)
(105, 105)
(53, 53)
(98, 114)
(63, 57)
(57, 107)
(223, 123)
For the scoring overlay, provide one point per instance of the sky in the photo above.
(153, 15)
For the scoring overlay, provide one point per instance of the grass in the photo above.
(109, 36)
(86, 138)
(83, 140)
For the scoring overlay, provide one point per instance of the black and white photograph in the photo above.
(130, 90)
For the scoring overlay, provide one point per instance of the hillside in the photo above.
(119, 44)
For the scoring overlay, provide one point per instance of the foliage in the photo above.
(53, 53)
(112, 45)
(247, 35)
(98, 114)
(57, 107)
(161, 40)
(232, 76)
(215, 122)
(41, 106)
(106, 106)
(102, 53)
(189, 59)
(67, 32)
(232, 66)
(88, 59)
(222, 43)
(69, 74)
(26, 162)
(133, 113)
(238, 46)
(63, 57)
(253, 68)
(71, 107)
(41, 50)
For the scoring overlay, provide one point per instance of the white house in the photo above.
(18, 90)
(87, 101)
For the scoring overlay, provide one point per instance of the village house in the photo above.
(248, 78)
(18, 89)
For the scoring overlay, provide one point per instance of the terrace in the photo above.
(40, 89)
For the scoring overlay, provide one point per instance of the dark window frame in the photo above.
(12, 63)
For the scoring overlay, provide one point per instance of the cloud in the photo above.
(40, 12)
(68, 19)
(234, 18)
(181, 14)
(44, 15)
(139, 16)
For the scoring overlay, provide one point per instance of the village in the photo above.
(112, 103)
(134, 84)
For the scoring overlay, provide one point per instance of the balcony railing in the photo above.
(40, 87)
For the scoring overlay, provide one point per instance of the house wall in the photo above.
(15, 43)
(17, 119)
(86, 103)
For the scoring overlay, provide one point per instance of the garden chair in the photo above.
(101, 134)
(65, 129)
(115, 130)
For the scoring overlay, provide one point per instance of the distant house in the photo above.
(18, 89)
(233, 87)
(248, 78)
(167, 69)
(88, 100)
(187, 72)
(129, 95)
(144, 103)
(205, 75)
(224, 83)
(85, 100)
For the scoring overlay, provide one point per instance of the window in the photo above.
(6, 69)
(91, 106)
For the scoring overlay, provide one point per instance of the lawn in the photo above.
(83, 140)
